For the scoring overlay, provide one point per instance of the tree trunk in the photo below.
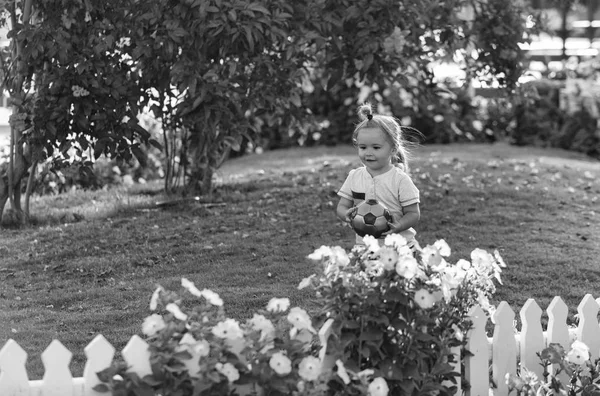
(19, 171)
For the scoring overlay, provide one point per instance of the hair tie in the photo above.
(369, 117)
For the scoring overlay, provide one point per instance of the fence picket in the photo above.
(99, 354)
(504, 349)
(476, 366)
(137, 356)
(532, 336)
(558, 331)
(588, 328)
(13, 376)
(57, 380)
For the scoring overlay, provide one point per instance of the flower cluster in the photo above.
(401, 314)
(390, 321)
(79, 91)
(584, 376)
(275, 352)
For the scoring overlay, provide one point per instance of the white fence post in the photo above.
(13, 376)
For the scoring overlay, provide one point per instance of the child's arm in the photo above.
(344, 209)
(411, 217)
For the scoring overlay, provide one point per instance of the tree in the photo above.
(74, 90)
(216, 71)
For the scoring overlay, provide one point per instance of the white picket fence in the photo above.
(501, 352)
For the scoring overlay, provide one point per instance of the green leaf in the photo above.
(156, 144)
(102, 388)
(367, 62)
(295, 99)
(258, 8)
(249, 38)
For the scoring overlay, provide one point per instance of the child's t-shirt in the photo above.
(393, 189)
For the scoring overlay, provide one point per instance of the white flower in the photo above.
(339, 256)
(371, 243)
(458, 333)
(262, 324)
(432, 258)
(299, 318)
(407, 267)
(388, 258)
(228, 329)
(309, 368)
(450, 279)
(212, 297)
(280, 363)
(424, 299)
(153, 324)
(579, 353)
(365, 373)
(304, 283)
(442, 247)
(278, 305)
(395, 240)
(228, 370)
(174, 309)
(189, 286)
(374, 268)
(320, 253)
(201, 348)
(341, 372)
(463, 264)
(378, 387)
(154, 298)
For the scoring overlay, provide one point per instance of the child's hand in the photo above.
(394, 224)
(350, 213)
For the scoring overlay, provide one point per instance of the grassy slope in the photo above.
(73, 281)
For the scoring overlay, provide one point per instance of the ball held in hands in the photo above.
(371, 218)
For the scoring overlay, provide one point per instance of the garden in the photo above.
(168, 196)
(273, 210)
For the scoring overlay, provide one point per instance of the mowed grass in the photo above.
(73, 280)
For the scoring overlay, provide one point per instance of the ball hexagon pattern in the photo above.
(371, 218)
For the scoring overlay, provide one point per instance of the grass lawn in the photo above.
(74, 280)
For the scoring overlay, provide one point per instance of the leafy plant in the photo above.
(394, 321)
(583, 374)
(196, 349)
(401, 316)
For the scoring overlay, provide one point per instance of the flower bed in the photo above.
(395, 320)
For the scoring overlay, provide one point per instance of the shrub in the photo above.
(400, 316)
(395, 321)
(583, 374)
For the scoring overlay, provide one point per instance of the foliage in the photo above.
(480, 37)
(83, 91)
(214, 66)
(220, 75)
(196, 349)
(548, 114)
(583, 374)
(393, 318)
(399, 315)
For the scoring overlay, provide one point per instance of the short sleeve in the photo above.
(346, 190)
(408, 193)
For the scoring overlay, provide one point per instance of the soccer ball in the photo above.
(371, 218)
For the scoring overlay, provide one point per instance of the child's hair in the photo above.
(391, 127)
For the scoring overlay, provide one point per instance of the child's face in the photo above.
(374, 150)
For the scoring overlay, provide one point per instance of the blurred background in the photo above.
(551, 100)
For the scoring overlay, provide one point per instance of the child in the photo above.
(384, 176)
